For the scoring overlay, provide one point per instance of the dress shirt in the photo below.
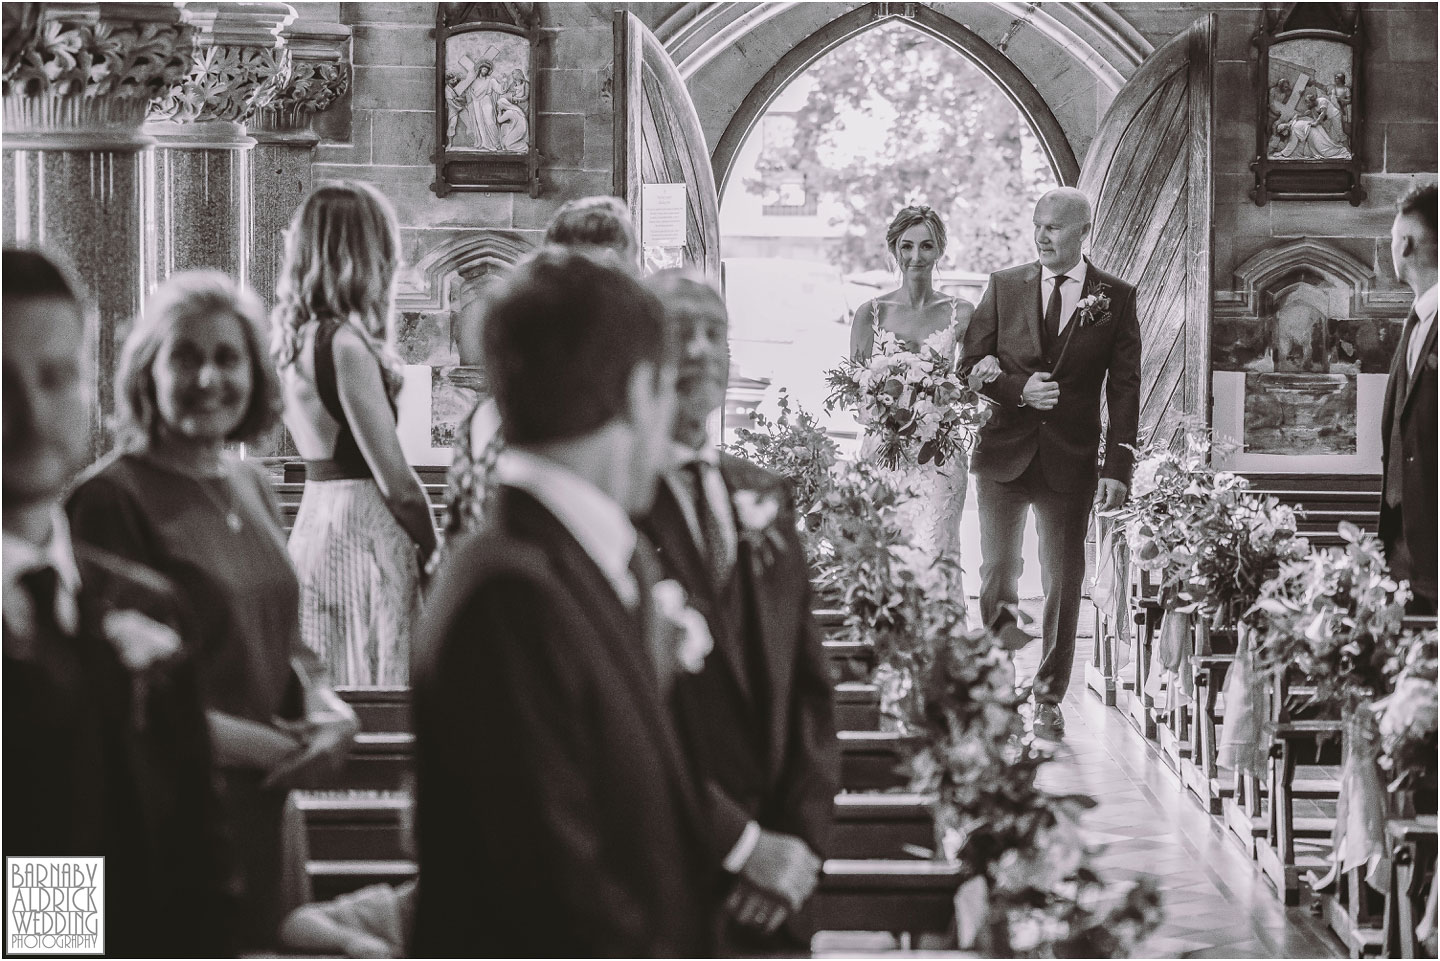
(1425, 306)
(1069, 293)
(20, 557)
(592, 517)
(714, 490)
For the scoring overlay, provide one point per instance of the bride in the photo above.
(918, 315)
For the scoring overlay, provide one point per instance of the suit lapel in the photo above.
(671, 533)
(1413, 376)
(776, 649)
(1035, 317)
(623, 631)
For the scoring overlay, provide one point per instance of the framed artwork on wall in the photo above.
(1310, 117)
(486, 59)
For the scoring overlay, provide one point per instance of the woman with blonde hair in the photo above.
(194, 377)
(364, 528)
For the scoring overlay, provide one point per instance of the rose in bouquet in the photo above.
(1335, 615)
(913, 401)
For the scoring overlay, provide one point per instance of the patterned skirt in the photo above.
(359, 582)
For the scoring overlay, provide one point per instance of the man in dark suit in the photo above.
(1061, 329)
(106, 751)
(559, 812)
(726, 530)
(1407, 504)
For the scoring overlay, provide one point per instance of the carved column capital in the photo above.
(319, 75)
(83, 74)
(239, 62)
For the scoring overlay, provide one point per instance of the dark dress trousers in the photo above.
(1048, 459)
(90, 769)
(766, 691)
(1407, 526)
(558, 813)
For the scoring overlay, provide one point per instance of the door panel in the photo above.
(1148, 173)
(658, 140)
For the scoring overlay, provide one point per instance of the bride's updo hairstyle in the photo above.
(913, 216)
(342, 252)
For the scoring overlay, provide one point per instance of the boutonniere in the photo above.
(141, 644)
(1094, 310)
(757, 513)
(690, 632)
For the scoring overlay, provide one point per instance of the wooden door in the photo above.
(658, 140)
(1148, 173)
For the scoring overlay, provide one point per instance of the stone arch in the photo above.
(1061, 63)
(439, 280)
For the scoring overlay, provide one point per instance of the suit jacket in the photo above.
(1415, 461)
(1066, 438)
(98, 761)
(558, 814)
(769, 696)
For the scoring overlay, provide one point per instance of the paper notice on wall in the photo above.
(662, 215)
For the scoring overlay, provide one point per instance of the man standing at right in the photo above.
(1061, 329)
(1407, 504)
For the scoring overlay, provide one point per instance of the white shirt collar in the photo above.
(707, 453)
(19, 556)
(1426, 304)
(592, 517)
(1075, 274)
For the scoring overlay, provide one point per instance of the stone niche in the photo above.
(438, 336)
(1301, 347)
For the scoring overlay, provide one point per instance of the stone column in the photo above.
(199, 180)
(74, 107)
(280, 164)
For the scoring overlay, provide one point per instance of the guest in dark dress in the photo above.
(105, 745)
(192, 378)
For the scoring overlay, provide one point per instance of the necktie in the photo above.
(1394, 471)
(1052, 311)
(644, 568)
(712, 539)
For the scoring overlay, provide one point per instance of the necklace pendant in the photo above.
(232, 520)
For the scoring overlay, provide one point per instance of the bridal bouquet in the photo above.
(913, 401)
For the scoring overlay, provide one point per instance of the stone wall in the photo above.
(385, 134)
(1341, 253)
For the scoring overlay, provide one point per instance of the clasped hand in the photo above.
(985, 371)
(324, 742)
(776, 881)
(1041, 392)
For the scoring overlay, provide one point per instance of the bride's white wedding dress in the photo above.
(932, 515)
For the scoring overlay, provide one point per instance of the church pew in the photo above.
(857, 706)
(1412, 848)
(896, 896)
(366, 826)
(869, 760)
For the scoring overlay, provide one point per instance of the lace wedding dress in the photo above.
(932, 514)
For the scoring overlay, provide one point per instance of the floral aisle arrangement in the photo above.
(1407, 721)
(895, 598)
(793, 445)
(1335, 615)
(1029, 887)
(914, 401)
(1169, 489)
